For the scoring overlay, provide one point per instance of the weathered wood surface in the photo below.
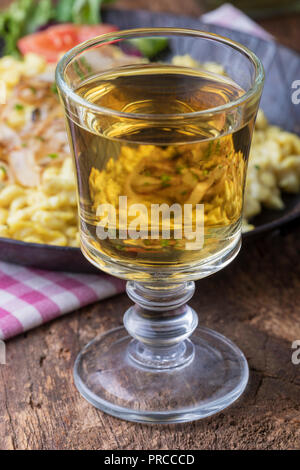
(255, 302)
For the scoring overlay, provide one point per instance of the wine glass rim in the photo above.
(103, 39)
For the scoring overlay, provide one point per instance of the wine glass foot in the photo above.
(108, 376)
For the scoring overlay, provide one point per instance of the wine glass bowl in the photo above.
(160, 149)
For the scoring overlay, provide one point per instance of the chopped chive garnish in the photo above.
(207, 152)
(85, 63)
(120, 247)
(19, 107)
(3, 169)
(257, 167)
(53, 155)
(78, 70)
(54, 88)
(165, 243)
(165, 180)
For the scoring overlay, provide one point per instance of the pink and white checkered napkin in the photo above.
(30, 297)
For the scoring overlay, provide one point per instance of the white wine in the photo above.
(160, 152)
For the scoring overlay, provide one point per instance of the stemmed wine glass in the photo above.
(160, 149)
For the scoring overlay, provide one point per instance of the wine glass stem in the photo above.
(160, 323)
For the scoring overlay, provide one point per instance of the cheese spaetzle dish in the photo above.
(37, 183)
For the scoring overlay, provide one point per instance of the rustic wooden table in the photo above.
(255, 302)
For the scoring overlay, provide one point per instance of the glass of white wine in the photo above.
(160, 149)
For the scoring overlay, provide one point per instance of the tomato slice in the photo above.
(50, 43)
(62, 36)
(86, 32)
(55, 40)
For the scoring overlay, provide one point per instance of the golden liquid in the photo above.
(187, 160)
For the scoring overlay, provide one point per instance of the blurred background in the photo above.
(280, 17)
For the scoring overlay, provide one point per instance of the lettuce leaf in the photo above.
(63, 11)
(20, 18)
(26, 16)
(151, 46)
(80, 11)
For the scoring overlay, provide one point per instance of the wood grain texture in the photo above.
(255, 302)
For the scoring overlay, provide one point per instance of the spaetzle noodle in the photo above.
(37, 183)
